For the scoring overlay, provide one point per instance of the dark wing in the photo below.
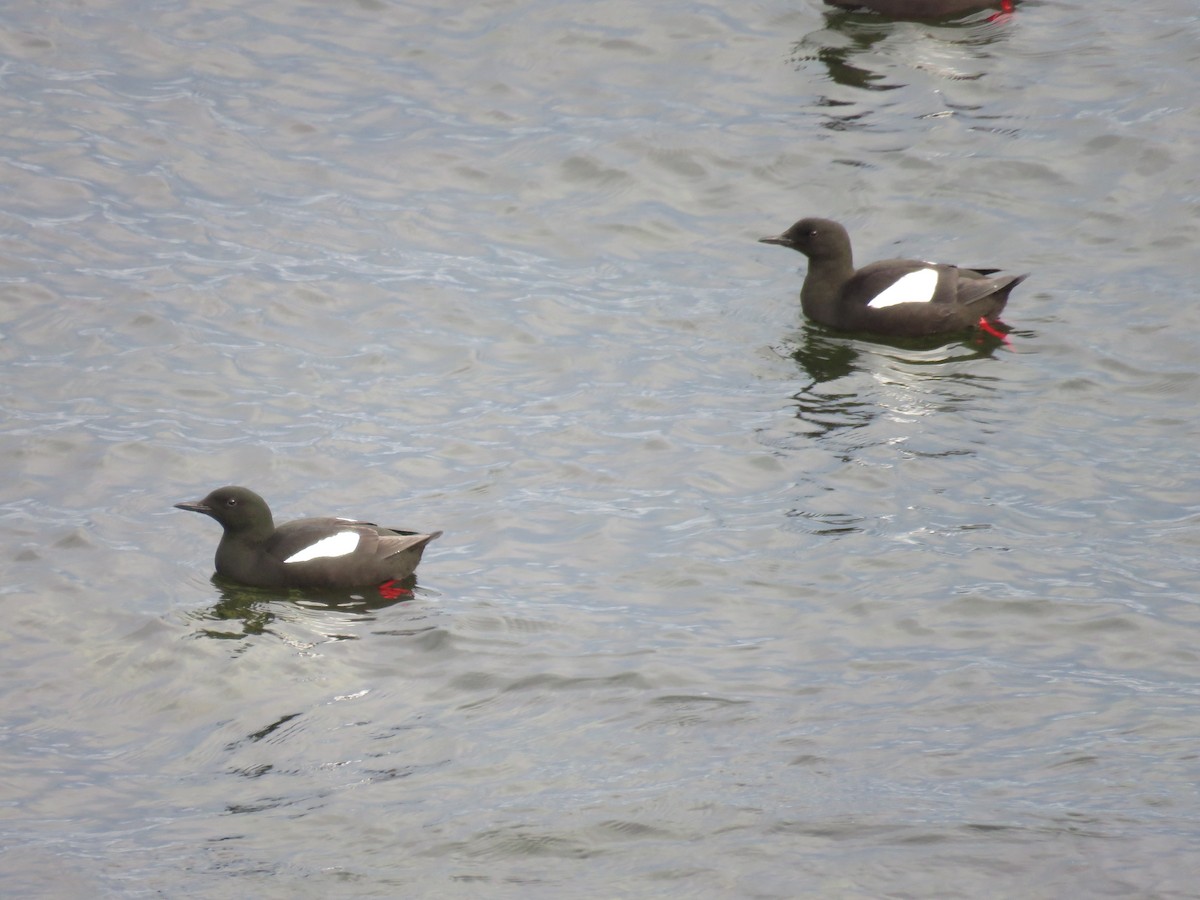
(975, 285)
(373, 540)
(391, 541)
(872, 280)
(295, 536)
(956, 285)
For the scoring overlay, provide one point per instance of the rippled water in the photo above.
(727, 604)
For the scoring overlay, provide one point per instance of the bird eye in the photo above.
(231, 502)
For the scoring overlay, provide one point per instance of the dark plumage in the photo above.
(316, 553)
(899, 297)
(922, 9)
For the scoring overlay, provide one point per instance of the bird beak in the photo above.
(195, 506)
(779, 239)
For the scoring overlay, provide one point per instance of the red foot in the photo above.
(988, 328)
(1006, 8)
(390, 590)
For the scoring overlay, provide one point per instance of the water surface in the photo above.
(727, 604)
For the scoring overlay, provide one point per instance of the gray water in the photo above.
(728, 605)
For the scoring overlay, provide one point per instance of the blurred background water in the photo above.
(727, 604)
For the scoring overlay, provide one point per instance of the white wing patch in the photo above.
(338, 544)
(915, 287)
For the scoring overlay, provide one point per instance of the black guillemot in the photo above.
(923, 9)
(898, 297)
(323, 552)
